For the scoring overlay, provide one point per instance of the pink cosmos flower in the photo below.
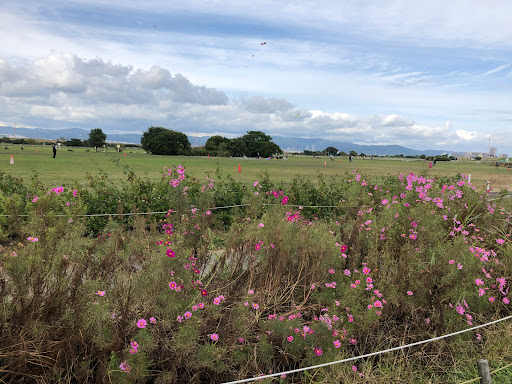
(261, 225)
(289, 339)
(366, 270)
(75, 193)
(172, 285)
(125, 367)
(479, 282)
(318, 351)
(284, 201)
(142, 323)
(100, 293)
(451, 262)
(255, 306)
(506, 300)
(331, 271)
(58, 190)
(354, 368)
(337, 343)
(187, 315)
(204, 292)
(214, 337)
(35, 199)
(343, 248)
(250, 292)
(500, 241)
(32, 239)
(152, 320)
(409, 293)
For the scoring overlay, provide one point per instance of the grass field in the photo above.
(70, 168)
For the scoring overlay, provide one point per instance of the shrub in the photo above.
(137, 299)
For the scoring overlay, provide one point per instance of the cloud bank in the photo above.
(62, 89)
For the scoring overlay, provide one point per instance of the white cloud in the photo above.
(467, 135)
(63, 87)
(497, 69)
(66, 78)
(395, 120)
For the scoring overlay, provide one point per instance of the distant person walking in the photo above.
(435, 160)
(350, 158)
(54, 150)
(497, 164)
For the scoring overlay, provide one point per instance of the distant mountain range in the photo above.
(286, 143)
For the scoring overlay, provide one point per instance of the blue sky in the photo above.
(425, 75)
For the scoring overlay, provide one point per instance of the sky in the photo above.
(424, 75)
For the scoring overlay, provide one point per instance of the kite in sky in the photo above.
(253, 54)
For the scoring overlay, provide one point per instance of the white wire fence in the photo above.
(368, 354)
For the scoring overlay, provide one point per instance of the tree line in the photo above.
(163, 141)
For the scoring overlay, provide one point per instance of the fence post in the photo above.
(483, 371)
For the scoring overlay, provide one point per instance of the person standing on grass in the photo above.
(497, 164)
(54, 150)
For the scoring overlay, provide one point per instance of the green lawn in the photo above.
(70, 168)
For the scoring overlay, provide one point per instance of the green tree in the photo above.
(223, 150)
(74, 143)
(237, 147)
(331, 151)
(97, 138)
(213, 143)
(259, 144)
(163, 141)
(352, 153)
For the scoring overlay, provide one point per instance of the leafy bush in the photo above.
(211, 295)
(163, 141)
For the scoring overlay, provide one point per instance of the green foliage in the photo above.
(394, 261)
(213, 143)
(237, 147)
(75, 143)
(259, 144)
(163, 141)
(331, 151)
(97, 138)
